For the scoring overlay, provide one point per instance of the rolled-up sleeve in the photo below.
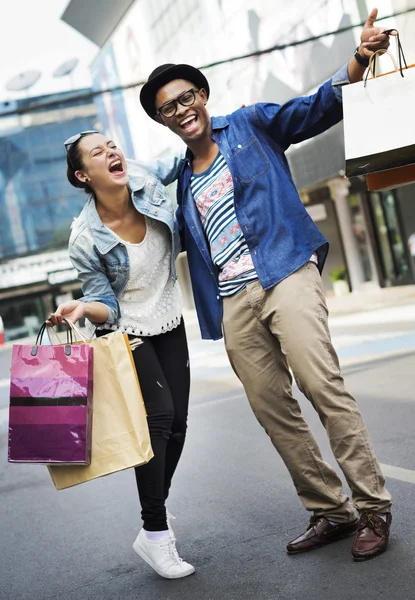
(338, 80)
(95, 284)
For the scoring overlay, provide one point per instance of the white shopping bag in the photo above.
(379, 127)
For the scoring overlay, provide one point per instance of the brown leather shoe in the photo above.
(319, 533)
(372, 536)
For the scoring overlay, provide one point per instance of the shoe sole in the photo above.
(153, 565)
(363, 558)
(342, 537)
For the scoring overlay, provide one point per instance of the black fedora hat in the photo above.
(163, 75)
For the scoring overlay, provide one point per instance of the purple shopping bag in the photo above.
(50, 418)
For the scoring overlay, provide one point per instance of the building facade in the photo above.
(37, 205)
(368, 232)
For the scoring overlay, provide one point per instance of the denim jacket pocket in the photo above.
(251, 161)
(158, 194)
(158, 197)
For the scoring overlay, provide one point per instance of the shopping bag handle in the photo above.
(375, 55)
(399, 53)
(39, 338)
(77, 333)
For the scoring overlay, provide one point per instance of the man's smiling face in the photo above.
(190, 123)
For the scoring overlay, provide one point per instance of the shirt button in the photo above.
(156, 212)
(228, 155)
(239, 145)
(246, 227)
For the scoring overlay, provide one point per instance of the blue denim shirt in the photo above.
(99, 257)
(280, 234)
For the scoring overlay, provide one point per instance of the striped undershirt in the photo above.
(213, 194)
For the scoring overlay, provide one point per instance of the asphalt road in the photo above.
(235, 505)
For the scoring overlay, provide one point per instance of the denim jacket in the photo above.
(280, 234)
(99, 257)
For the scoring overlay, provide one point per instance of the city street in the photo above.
(234, 502)
(134, 177)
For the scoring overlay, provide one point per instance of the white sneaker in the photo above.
(162, 556)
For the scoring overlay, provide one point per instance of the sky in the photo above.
(32, 37)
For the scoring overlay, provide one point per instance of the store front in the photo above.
(390, 239)
(368, 232)
(31, 288)
(380, 226)
(24, 313)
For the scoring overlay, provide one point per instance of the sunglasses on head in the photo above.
(74, 138)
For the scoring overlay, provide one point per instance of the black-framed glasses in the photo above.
(169, 109)
(74, 138)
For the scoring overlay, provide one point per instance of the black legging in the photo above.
(162, 364)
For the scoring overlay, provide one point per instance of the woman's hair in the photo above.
(74, 163)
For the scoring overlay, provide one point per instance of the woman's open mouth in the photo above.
(116, 168)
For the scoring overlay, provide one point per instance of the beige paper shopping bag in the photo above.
(120, 437)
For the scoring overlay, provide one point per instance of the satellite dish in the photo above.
(23, 81)
(66, 68)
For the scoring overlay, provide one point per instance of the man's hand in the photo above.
(372, 37)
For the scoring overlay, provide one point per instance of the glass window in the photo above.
(36, 200)
(389, 237)
(360, 234)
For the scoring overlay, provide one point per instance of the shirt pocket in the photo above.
(250, 160)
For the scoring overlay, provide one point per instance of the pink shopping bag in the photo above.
(50, 415)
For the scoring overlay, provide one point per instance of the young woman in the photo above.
(124, 245)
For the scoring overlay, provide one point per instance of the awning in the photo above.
(95, 19)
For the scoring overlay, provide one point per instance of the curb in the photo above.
(367, 308)
(379, 356)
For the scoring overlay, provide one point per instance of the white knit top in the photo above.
(151, 303)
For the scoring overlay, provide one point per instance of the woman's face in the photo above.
(104, 163)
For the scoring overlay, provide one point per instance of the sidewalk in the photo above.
(369, 300)
(355, 302)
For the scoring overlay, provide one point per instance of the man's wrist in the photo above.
(360, 57)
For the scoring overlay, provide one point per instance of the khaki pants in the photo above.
(266, 332)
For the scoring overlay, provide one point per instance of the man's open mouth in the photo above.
(188, 122)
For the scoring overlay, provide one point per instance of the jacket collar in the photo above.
(217, 123)
(104, 239)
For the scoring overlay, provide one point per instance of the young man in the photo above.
(255, 254)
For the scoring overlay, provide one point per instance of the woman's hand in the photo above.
(72, 311)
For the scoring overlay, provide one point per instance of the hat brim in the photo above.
(150, 89)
